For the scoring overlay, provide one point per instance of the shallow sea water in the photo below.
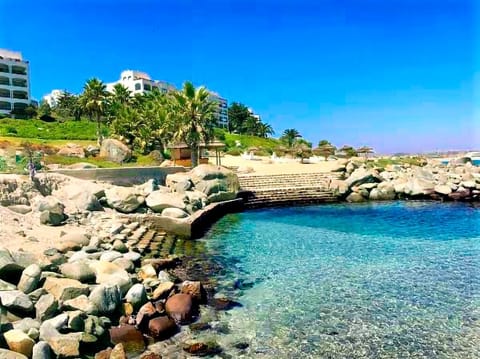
(381, 280)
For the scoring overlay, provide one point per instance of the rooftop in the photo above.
(13, 55)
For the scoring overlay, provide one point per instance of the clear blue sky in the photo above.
(398, 75)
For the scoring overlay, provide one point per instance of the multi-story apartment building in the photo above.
(14, 82)
(222, 110)
(52, 97)
(139, 82)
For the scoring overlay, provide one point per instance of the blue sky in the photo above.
(398, 75)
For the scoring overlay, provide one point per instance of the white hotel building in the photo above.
(140, 82)
(14, 82)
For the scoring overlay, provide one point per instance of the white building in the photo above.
(52, 97)
(14, 82)
(139, 82)
(222, 111)
(254, 115)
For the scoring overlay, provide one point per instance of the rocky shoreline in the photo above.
(106, 288)
(435, 181)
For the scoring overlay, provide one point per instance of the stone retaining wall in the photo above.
(122, 176)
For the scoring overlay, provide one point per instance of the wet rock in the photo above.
(195, 289)
(76, 320)
(119, 246)
(145, 313)
(94, 326)
(180, 307)
(19, 342)
(223, 303)
(46, 307)
(52, 211)
(63, 288)
(355, 197)
(163, 290)
(202, 349)
(30, 278)
(162, 327)
(78, 270)
(136, 295)
(130, 337)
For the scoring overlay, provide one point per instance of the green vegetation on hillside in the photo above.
(37, 129)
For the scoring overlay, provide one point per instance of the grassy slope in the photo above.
(251, 141)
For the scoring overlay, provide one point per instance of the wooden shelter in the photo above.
(181, 153)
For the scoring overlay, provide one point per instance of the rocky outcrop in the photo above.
(123, 199)
(71, 150)
(115, 151)
(433, 181)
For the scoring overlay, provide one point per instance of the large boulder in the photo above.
(384, 192)
(130, 337)
(42, 350)
(64, 288)
(80, 198)
(362, 175)
(180, 307)
(111, 274)
(71, 150)
(124, 199)
(419, 187)
(73, 241)
(174, 213)
(158, 201)
(16, 301)
(46, 307)
(179, 182)
(9, 354)
(19, 342)
(136, 296)
(161, 327)
(106, 299)
(115, 151)
(52, 211)
(30, 278)
(79, 270)
(443, 189)
(355, 197)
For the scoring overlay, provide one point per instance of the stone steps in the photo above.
(279, 190)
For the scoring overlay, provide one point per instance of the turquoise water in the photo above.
(474, 162)
(386, 280)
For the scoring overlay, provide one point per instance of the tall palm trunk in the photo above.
(194, 155)
(99, 131)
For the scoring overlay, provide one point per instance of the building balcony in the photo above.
(19, 70)
(4, 81)
(19, 82)
(4, 93)
(4, 105)
(20, 95)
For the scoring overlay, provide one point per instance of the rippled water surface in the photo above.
(387, 280)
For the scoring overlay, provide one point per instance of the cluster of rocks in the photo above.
(111, 150)
(456, 181)
(93, 291)
(54, 197)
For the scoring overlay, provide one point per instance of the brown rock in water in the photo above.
(162, 327)
(195, 289)
(202, 349)
(129, 336)
(145, 313)
(150, 356)
(180, 307)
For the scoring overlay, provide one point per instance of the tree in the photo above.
(68, 105)
(289, 136)
(264, 130)
(302, 150)
(323, 142)
(44, 109)
(238, 115)
(121, 95)
(94, 102)
(193, 113)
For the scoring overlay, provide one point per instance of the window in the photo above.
(147, 87)
(138, 87)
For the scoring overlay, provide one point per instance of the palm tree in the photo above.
(95, 102)
(290, 135)
(264, 130)
(121, 95)
(193, 113)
